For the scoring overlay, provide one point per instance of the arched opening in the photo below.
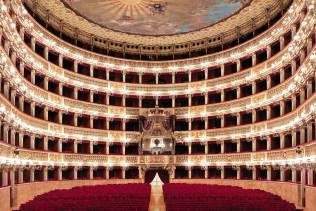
(151, 173)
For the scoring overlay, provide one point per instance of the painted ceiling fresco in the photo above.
(151, 17)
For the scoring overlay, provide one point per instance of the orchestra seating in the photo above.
(96, 198)
(179, 197)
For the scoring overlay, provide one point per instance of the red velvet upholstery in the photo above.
(96, 198)
(179, 197)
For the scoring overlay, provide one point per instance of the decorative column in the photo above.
(123, 148)
(6, 133)
(293, 138)
(309, 132)
(21, 103)
(254, 144)
(60, 117)
(238, 172)
(91, 147)
(32, 140)
(46, 52)
(33, 43)
(32, 108)
(6, 88)
(20, 175)
(268, 51)
(12, 138)
(238, 118)
(302, 186)
(75, 173)
(302, 135)
(45, 143)
(268, 109)
(46, 113)
(76, 93)
(309, 88)
(268, 81)
(75, 66)
(75, 147)
(13, 95)
(222, 147)
(269, 173)
(222, 121)
(238, 65)
(60, 145)
(254, 59)
(45, 173)
(294, 178)
(302, 96)
(92, 71)
(238, 145)
(282, 140)
(91, 94)
(60, 88)
(310, 176)
(282, 107)
(222, 172)
(4, 176)
(282, 74)
(91, 121)
(123, 172)
(281, 39)
(282, 174)
(33, 76)
(254, 115)
(60, 173)
(21, 137)
(293, 67)
(32, 174)
(21, 68)
(222, 95)
(222, 70)
(107, 173)
(254, 173)
(205, 172)
(269, 139)
(190, 148)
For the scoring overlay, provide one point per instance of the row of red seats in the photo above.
(221, 198)
(121, 197)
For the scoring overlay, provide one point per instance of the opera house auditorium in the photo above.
(176, 105)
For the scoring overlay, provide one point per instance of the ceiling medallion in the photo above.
(156, 17)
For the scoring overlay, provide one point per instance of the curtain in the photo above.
(164, 176)
(150, 175)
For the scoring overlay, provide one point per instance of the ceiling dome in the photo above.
(151, 17)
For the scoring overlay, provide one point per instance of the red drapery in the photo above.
(150, 174)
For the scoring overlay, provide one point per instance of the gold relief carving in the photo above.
(55, 157)
(55, 127)
(197, 85)
(196, 109)
(181, 159)
(116, 159)
(258, 127)
(51, 68)
(116, 110)
(55, 98)
(142, 159)
(310, 150)
(5, 151)
(133, 111)
(258, 98)
(181, 111)
(258, 156)
(198, 158)
(157, 159)
(131, 159)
